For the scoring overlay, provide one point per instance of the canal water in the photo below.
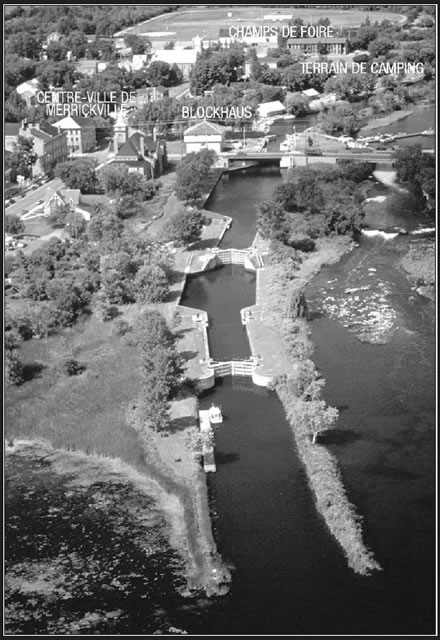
(374, 340)
(419, 120)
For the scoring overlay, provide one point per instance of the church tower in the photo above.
(120, 130)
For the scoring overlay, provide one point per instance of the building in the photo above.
(140, 153)
(28, 90)
(270, 109)
(311, 94)
(204, 135)
(12, 130)
(87, 67)
(50, 145)
(316, 46)
(54, 36)
(80, 133)
(64, 200)
(247, 35)
(185, 59)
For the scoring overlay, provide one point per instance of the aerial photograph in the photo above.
(220, 320)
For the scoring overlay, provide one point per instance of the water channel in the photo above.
(289, 575)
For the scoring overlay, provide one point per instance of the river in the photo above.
(289, 575)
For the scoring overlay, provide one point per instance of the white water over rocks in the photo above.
(372, 233)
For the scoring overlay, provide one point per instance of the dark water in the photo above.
(237, 195)
(290, 576)
(227, 336)
(420, 120)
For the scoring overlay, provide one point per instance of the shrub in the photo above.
(71, 367)
(121, 327)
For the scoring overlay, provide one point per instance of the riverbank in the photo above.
(391, 118)
(419, 263)
(277, 288)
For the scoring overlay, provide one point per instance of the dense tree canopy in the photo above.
(192, 173)
(78, 174)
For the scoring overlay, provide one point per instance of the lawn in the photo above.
(185, 25)
(85, 412)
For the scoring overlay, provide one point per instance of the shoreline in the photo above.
(321, 466)
(394, 116)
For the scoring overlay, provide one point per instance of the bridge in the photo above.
(298, 159)
(303, 159)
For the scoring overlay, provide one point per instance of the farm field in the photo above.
(186, 24)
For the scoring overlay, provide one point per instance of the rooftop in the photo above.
(12, 128)
(205, 128)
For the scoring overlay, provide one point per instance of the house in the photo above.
(28, 90)
(204, 135)
(12, 130)
(311, 94)
(87, 67)
(50, 145)
(54, 36)
(80, 133)
(185, 59)
(316, 46)
(137, 151)
(64, 200)
(136, 63)
(270, 109)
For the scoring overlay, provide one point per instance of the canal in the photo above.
(289, 575)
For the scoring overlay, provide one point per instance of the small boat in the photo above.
(215, 414)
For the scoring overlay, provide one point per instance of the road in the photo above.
(31, 198)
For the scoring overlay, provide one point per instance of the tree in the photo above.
(151, 284)
(160, 73)
(351, 86)
(160, 366)
(13, 224)
(15, 107)
(272, 221)
(56, 51)
(318, 417)
(57, 74)
(186, 226)
(118, 271)
(213, 68)
(308, 192)
(25, 45)
(380, 47)
(23, 156)
(137, 43)
(78, 174)
(192, 173)
(104, 226)
(13, 366)
(297, 104)
(413, 166)
(339, 119)
(77, 43)
(75, 224)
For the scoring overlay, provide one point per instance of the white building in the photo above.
(185, 59)
(270, 109)
(28, 90)
(204, 135)
(80, 133)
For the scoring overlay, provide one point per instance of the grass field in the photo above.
(185, 25)
(85, 412)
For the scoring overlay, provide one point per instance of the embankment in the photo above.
(321, 466)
